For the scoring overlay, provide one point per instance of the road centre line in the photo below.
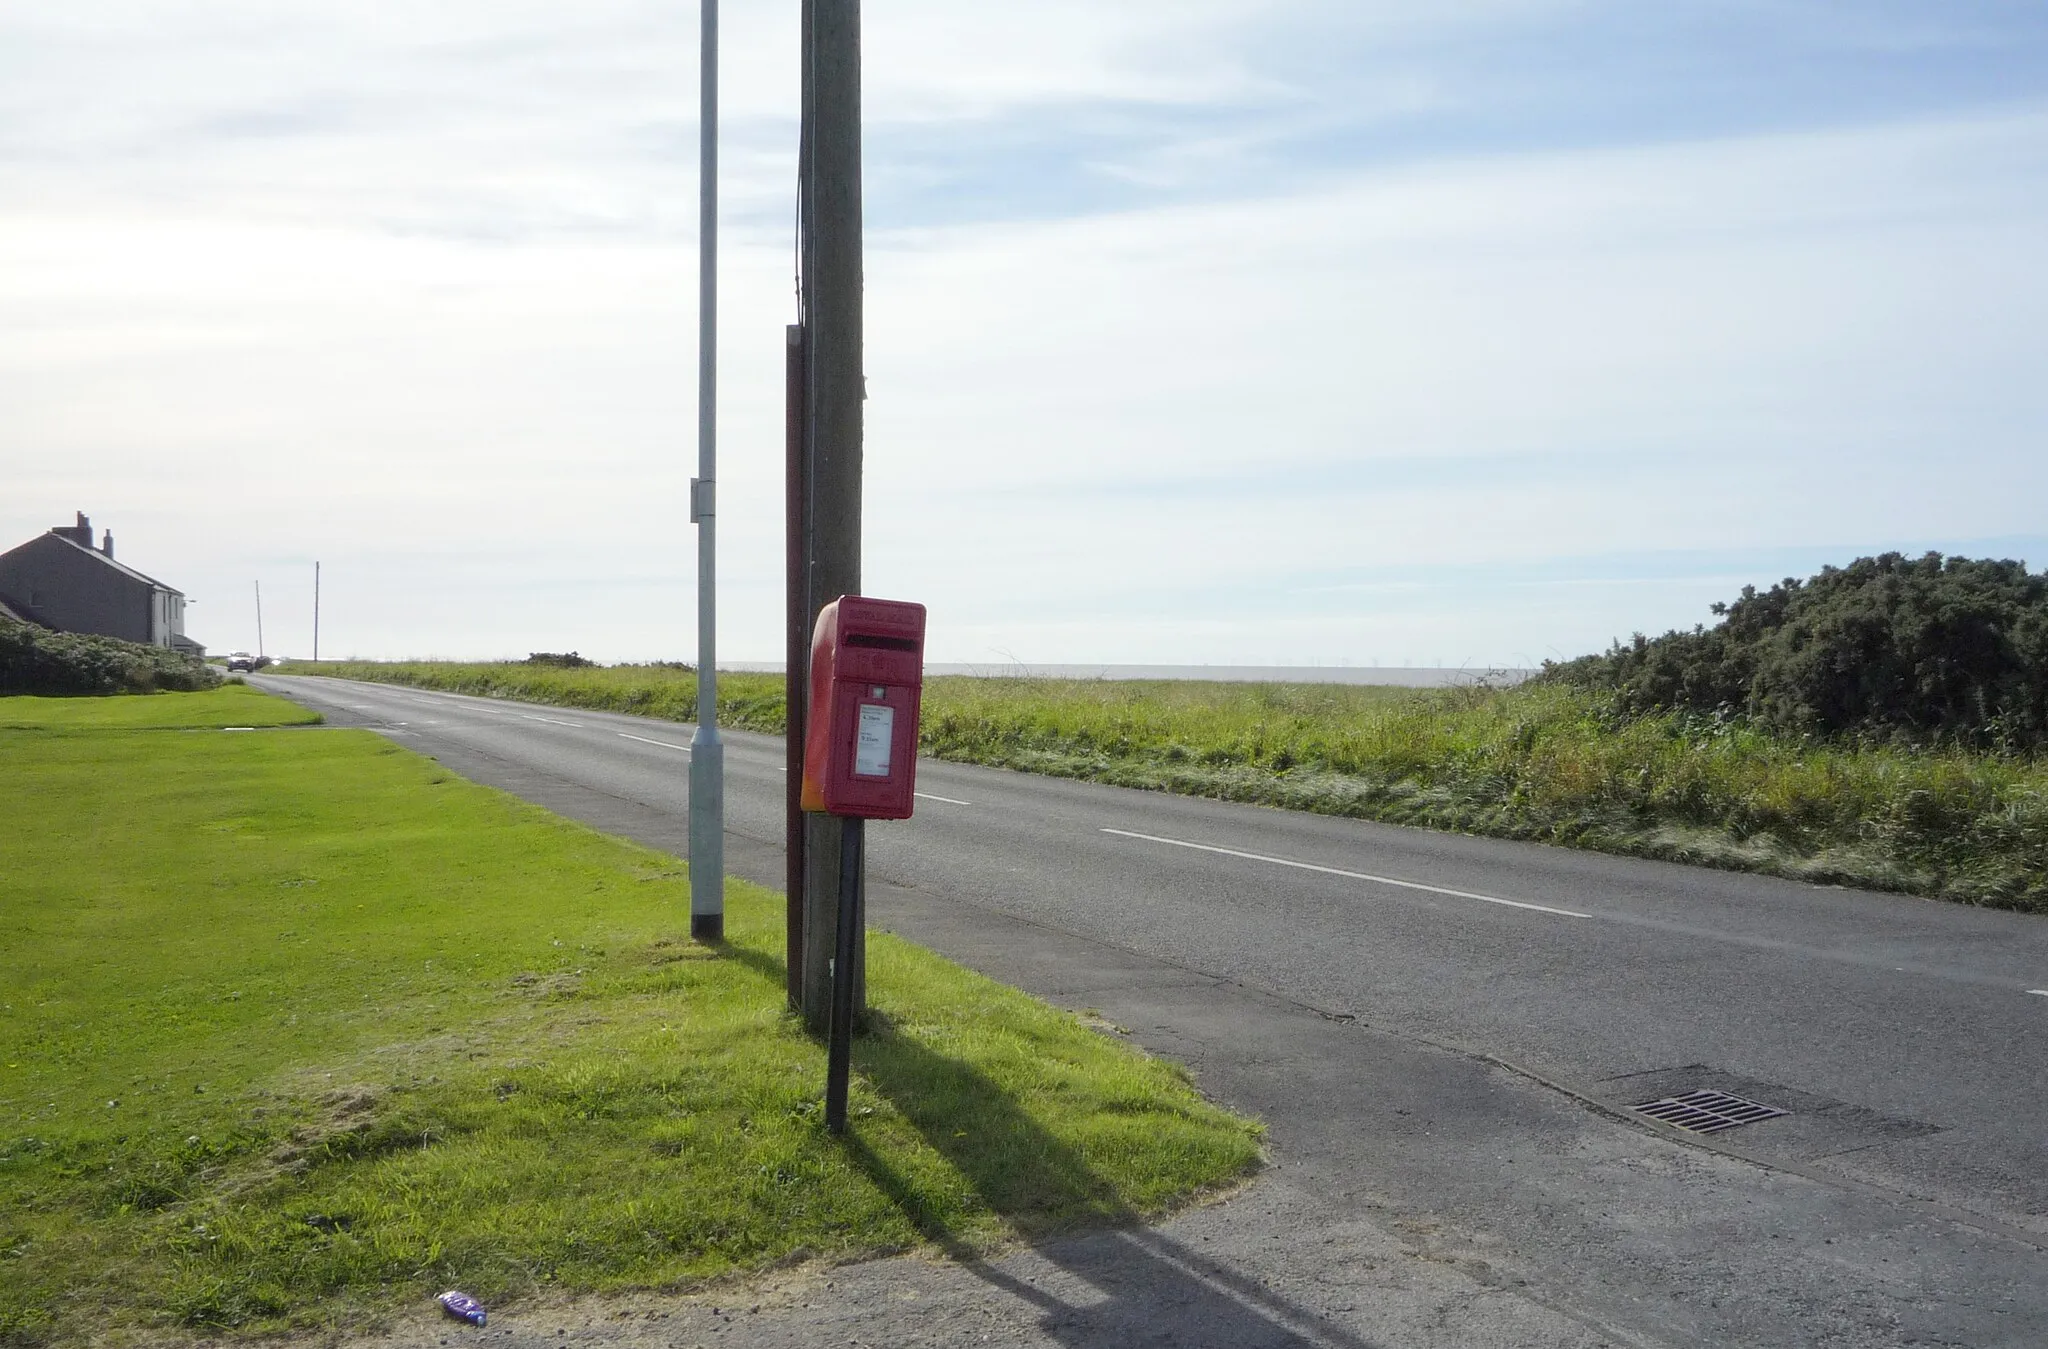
(2039, 992)
(1350, 875)
(645, 741)
(927, 796)
(552, 721)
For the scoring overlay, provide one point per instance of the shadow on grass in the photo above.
(1128, 1284)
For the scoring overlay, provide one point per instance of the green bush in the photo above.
(1928, 650)
(36, 660)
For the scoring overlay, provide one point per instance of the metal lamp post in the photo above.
(707, 751)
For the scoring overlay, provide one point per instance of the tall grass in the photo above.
(1548, 763)
(749, 701)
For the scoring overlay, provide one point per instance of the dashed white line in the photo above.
(927, 796)
(2039, 992)
(645, 741)
(1350, 875)
(551, 721)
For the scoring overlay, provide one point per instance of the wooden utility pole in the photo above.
(835, 386)
(796, 653)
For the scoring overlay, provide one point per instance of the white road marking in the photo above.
(927, 796)
(2039, 992)
(645, 741)
(551, 721)
(1350, 875)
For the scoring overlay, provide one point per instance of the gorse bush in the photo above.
(1928, 650)
(36, 660)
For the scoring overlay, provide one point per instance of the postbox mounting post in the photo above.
(848, 937)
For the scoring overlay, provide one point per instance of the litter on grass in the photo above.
(462, 1307)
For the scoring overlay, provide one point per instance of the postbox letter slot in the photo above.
(880, 642)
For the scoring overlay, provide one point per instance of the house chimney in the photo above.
(107, 543)
(80, 533)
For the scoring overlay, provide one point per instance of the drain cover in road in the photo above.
(1707, 1112)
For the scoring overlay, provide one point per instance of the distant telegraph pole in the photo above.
(707, 750)
(316, 611)
(829, 207)
(259, 618)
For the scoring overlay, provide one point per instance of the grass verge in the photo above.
(231, 704)
(297, 1026)
(1545, 763)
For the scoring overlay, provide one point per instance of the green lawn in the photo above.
(228, 705)
(296, 1026)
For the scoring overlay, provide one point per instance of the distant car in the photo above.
(240, 660)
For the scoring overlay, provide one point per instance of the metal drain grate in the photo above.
(1707, 1112)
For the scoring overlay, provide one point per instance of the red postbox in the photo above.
(867, 680)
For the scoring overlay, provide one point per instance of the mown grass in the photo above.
(295, 1026)
(1538, 762)
(231, 704)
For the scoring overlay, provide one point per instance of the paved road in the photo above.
(1905, 1038)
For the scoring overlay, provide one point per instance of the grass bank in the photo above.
(1557, 765)
(231, 704)
(296, 1026)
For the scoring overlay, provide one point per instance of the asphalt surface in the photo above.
(1445, 1036)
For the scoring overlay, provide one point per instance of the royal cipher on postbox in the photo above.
(867, 680)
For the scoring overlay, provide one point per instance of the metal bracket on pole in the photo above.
(703, 500)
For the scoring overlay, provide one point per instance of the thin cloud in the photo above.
(1167, 302)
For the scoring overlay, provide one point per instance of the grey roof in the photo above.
(99, 556)
(6, 612)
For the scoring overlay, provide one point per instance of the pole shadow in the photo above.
(1152, 1289)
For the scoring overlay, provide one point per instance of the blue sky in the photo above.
(1333, 89)
(1214, 331)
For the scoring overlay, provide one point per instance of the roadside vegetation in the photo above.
(1881, 725)
(37, 660)
(296, 1027)
(232, 704)
(1917, 651)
